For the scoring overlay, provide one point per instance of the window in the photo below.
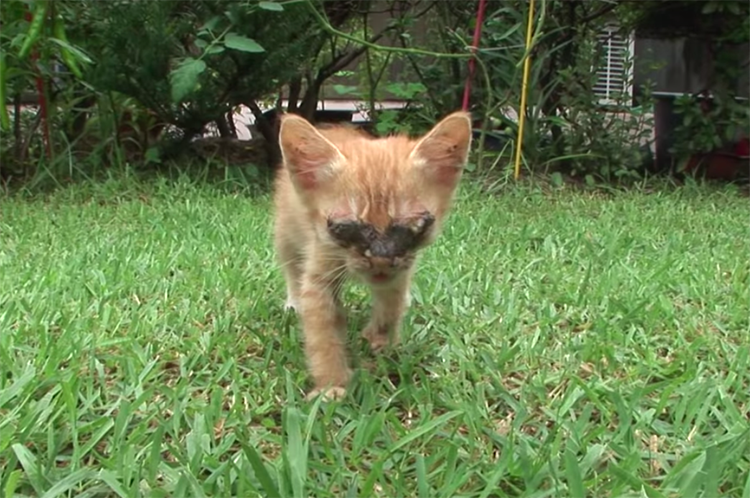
(615, 74)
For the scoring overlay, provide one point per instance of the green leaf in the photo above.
(12, 482)
(557, 179)
(69, 483)
(104, 426)
(276, 7)
(712, 470)
(15, 389)
(242, 43)
(184, 79)
(694, 478)
(76, 52)
(746, 489)
(296, 452)
(4, 117)
(573, 475)
(710, 7)
(344, 89)
(424, 430)
(153, 155)
(423, 485)
(110, 479)
(261, 473)
(30, 467)
(491, 486)
(211, 24)
(215, 49)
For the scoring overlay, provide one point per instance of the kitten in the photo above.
(351, 205)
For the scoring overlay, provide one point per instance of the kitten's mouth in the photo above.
(380, 277)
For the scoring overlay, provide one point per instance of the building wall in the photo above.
(680, 66)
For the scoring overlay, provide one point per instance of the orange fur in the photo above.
(352, 205)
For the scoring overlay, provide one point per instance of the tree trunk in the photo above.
(310, 100)
(221, 124)
(295, 88)
(270, 134)
(232, 124)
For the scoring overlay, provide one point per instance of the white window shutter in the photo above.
(615, 74)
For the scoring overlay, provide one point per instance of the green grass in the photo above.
(560, 344)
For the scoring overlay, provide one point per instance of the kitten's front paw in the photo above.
(327, 393)
(378, 338)
(291, 305)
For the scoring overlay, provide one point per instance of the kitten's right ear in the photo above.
(309, 156)
(441, 155)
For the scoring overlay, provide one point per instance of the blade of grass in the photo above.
(261, 473)
(110, 479)
(69, 482)
(28, 461)
(573, 475)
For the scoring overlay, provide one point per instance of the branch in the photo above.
(420, 74)
(601, 12)
(368, 44)
(343, 60)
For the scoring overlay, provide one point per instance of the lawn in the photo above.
(559, 344)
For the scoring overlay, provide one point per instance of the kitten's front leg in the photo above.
(388, 307)
(324, 328)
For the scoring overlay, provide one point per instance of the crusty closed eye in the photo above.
(398, 239)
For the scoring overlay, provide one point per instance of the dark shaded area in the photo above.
(398, 239)
(668, 19)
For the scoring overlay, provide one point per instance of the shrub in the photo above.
(194, 60)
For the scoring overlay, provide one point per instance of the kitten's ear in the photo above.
(442, 153)
(308, 155)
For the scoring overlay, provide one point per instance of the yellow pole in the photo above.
(524, 90)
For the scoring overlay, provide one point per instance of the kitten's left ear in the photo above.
(442, 153)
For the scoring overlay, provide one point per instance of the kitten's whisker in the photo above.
(331, 276)
(301, 259)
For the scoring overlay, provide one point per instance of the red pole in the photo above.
(474, 45)
(40, 91)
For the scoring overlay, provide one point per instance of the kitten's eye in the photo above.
(344, 231)
(424, 222)
(407, 236)
(350, 233)
(416, 226)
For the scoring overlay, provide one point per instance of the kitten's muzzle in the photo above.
(383, 264)
(385, 249)
(382, 270)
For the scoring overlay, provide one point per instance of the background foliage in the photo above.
(115, 99)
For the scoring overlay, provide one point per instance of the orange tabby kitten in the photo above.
(348, 204)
